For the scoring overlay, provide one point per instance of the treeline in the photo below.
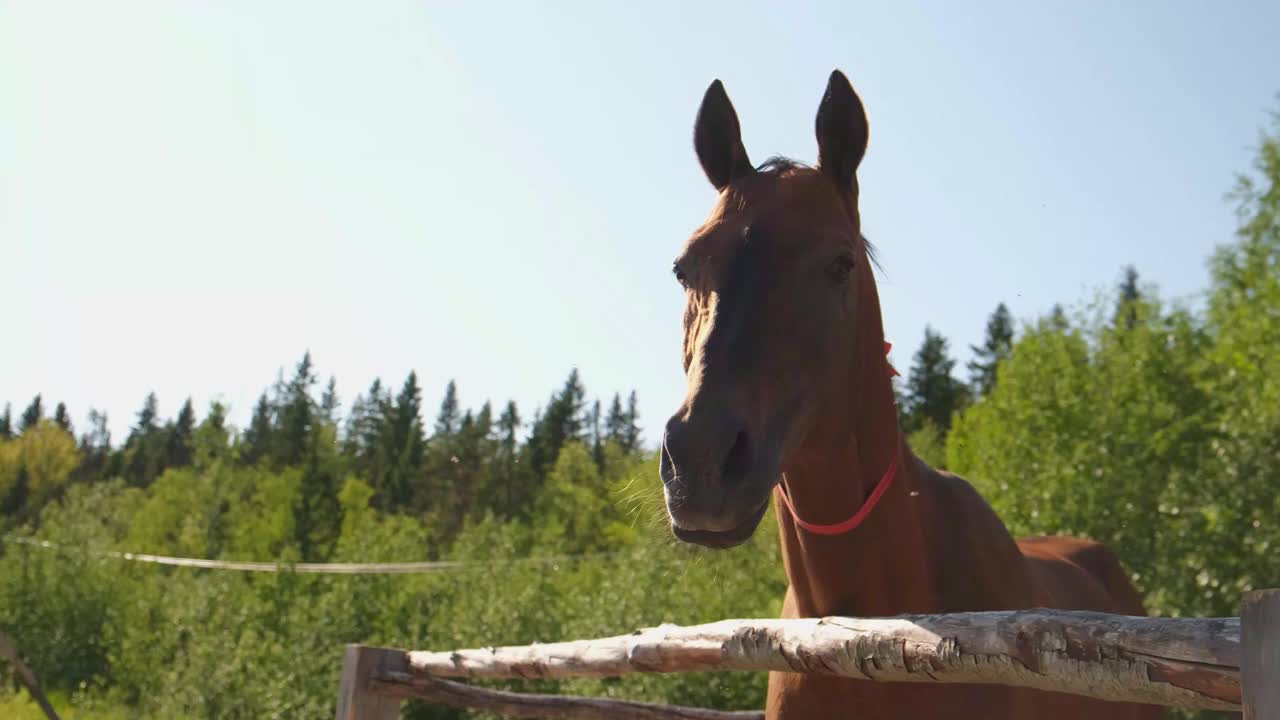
(468, 464)
(931, 396)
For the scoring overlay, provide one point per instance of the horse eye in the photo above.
(680, 278)
(840, 268)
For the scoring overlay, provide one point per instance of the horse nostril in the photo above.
(736, 463)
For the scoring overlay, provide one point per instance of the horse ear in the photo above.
(717, 138)
(842, 130)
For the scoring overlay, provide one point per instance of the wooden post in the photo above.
(1260, 666)
(355, 700)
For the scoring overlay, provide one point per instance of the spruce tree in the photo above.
(144, 450)
(95, 449)
(631, 434)
(32, 415)
(506, 470)
(1126, 315)
(212, 440)
(1058, 318)
(297, 416)
(180, 442)
(256, 445)
(447, 418)
(932, 393)
(62, 419)
(596, 437)
(996, 346)
(329, 402)
(367, 438)
(406, 447)
(6, 423)
(615, 422)
(562, 422)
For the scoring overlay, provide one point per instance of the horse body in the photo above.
(788, 383)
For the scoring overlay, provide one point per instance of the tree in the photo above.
(329, 402)
(1127, 303)
(256, 445)
(144, 449)
(596, 437)
(296, 417)
(212, 439)
(1058, 319)
(62, 419)
(6, 423)
(615, 422)
(365, 443)
(932, 393)
(35, 467)
(631, 426)
(447, 418)
(995, 348)
(95, 448)
(506, 496)
(32, 415)
(562, 422)
(179, 443)
(406, 448)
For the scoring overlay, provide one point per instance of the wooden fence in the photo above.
(1192, 663)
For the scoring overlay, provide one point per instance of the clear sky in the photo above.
(192, 194)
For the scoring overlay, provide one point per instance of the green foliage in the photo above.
(35, 467)
(929, 444)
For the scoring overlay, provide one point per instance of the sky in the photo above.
(194, 194)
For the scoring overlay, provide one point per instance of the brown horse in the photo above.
(789, 391)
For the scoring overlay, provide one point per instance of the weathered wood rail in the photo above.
(1191, 663)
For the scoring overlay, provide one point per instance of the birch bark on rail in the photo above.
(1191, 663)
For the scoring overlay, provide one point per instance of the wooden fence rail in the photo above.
(1191, 663)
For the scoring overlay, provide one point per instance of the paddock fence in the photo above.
(1190, 663)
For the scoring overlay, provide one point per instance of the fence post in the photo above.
(1260, 651)
(355, 702)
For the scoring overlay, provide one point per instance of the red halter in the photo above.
(845, 526)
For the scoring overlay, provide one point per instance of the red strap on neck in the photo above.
(848, 525)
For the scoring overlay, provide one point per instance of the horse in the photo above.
(789, 396)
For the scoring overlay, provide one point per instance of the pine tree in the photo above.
(6, 423)
(32, 415)
(1127, 304)
(62, 419)
(997, 346)
(932, 393)
(180, 442)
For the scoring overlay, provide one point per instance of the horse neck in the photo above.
(879, 567)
